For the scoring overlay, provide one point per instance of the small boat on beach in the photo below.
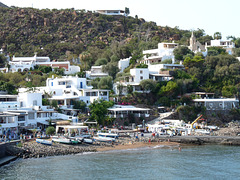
(110, 135)
(64, 140)
(87, 140)
(103, 139)
(43, 141)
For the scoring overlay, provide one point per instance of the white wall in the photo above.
(123, 63)
(73, 70)
(154, 69)
(138, 73)
(28, 99)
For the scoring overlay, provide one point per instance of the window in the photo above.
(141, 77)
(141, 72)
(30, 115)
(220, 105)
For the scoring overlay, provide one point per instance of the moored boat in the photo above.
(103, 139)
(87, 140)
(43, 141)
(64, 140)
(110, 135)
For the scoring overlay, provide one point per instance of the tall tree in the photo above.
(85, 57)
(99, 109)
(217, 35)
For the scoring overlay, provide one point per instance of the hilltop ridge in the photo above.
(53, 32)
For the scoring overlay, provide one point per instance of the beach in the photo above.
(135, 145)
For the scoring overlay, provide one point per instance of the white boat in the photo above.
(88, 141)
(110, 135)
(43, 141)
(63, 140)
(103, 139)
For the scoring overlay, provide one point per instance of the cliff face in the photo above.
(25, 30)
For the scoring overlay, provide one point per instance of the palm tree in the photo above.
(84, 57)
(217, 35)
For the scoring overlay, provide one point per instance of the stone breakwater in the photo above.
(200, 140)
(35, 150)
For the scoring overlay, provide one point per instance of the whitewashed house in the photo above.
(96, 72)
(226, 44)
(112, 12)
(163, 72)
(164, 51)
(26, 63)
(136, 76)
(25, 110)
(207, 100)
(67, 89)
(122, 111)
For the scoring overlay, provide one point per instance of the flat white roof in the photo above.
(216, 100)
(128, 109)
(72, 126)
(8, 96)
(162, 75)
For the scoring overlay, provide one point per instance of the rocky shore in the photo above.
(35, 150)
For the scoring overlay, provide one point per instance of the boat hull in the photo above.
(104, 139)
(63, 141)
(110, 135)
(43, 141)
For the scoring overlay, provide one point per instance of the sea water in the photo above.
(160, 162)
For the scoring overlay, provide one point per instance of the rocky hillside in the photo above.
(53, 32)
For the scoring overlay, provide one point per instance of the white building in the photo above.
(207, 100)
(136, 76)
(122, 111)
(24, 110)
(26, 63)
(157, 72)
(164, 51)
(112, 12)
(69, 88)
(226, 44)
(96, 72)
(163, 72)
(123, 63)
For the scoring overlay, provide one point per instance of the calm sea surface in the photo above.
(193, 162)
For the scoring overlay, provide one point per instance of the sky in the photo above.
(210, 15)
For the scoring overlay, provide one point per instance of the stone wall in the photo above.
(2, 150)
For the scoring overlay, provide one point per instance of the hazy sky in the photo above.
(210, 15)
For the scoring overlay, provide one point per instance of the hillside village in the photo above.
(124, 88)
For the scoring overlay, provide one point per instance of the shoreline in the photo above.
(32, 149)
(136, 145)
